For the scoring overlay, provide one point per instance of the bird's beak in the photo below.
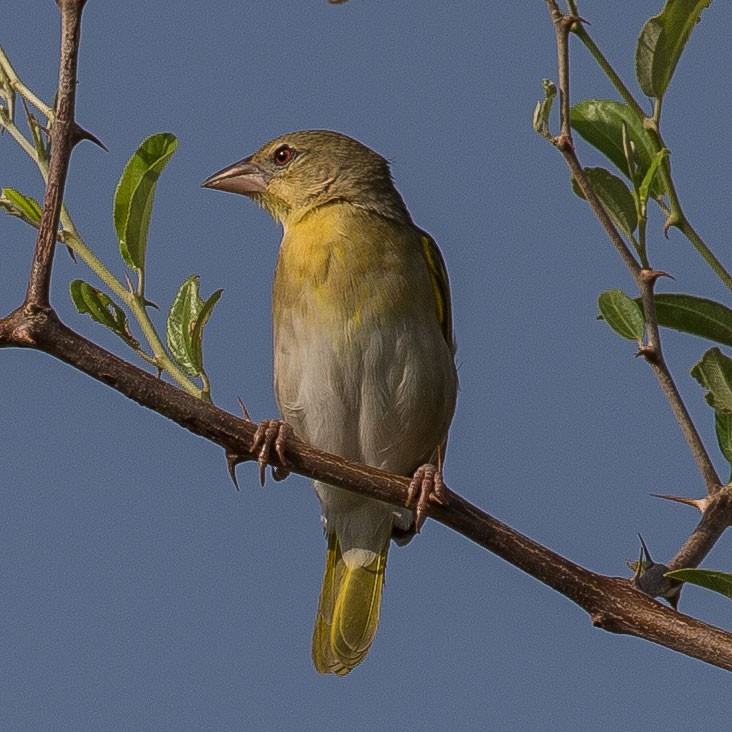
(244, 177)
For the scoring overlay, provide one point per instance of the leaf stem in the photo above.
(18, 86)
(581, 32)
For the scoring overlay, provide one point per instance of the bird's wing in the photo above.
(440, 286)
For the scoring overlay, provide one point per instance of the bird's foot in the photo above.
(426, 487)
(270, 440)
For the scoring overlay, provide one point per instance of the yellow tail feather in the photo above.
(348, 612)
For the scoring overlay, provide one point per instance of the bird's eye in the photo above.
(283, 154)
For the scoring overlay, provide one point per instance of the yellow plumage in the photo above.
(348, 611)
(363, 352)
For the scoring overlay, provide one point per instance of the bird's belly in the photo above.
(382, 393)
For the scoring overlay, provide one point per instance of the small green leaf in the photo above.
(135, 194)
(695, 316)
(615, 197)
(710, 579)
(630, 153)
(543, 108)
(197, 336)
(661, 42)
(8, 92)
(186, 320)
(20, 205)
(622, 314)
(102, 309)
(600, 122)
(39, 134)
(714, 373)
(723, 428)
(650, 175)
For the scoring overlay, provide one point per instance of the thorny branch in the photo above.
(716, 511)
(63, 138)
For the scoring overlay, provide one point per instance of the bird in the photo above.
(364, 355)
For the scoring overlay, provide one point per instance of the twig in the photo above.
(565, 144)
(63, 139)
(716, 518)
(653, 351)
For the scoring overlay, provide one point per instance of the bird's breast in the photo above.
(343, 271)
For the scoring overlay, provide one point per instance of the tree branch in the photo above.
(64, 135)
(720, 515)
(611, 602)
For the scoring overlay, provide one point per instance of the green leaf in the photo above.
(102, 309)
(622, 314)
(135, 194)
(543, 108)
(650, 175)
(714, 373)
(710, 579)
(39, 134)
(615, 197)
(184, 328)
(695, 316)
(661, 42)
(22, 206)
(201, 320)
(723, 428)
(600, 122)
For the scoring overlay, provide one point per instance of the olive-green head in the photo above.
(300, 171)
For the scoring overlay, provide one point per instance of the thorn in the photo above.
(150, 304)
(699, 503)
(232, 460)
(646, 352)
(129, 283)
(651, 275)
(71, 254)
(644, 550)
(244, 410)
(79, 133)
(570, 20)
(650, 578)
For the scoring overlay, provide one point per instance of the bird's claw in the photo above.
(271, 435)
(425, 487)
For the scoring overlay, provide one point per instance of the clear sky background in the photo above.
(140, 591)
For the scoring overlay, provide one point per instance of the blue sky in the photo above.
(141, 591)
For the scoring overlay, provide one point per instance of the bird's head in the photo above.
(300, 171)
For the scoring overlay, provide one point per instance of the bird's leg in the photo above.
(425, 487)
(271, 434)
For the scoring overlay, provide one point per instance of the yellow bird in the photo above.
(363, 354)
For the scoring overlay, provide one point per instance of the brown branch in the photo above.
(63, 138)
(716, 518)
(564, 143)
(653, 353)
(611, 602)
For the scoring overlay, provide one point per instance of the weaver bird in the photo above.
(363, 355)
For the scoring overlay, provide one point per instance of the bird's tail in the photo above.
(348, 611)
